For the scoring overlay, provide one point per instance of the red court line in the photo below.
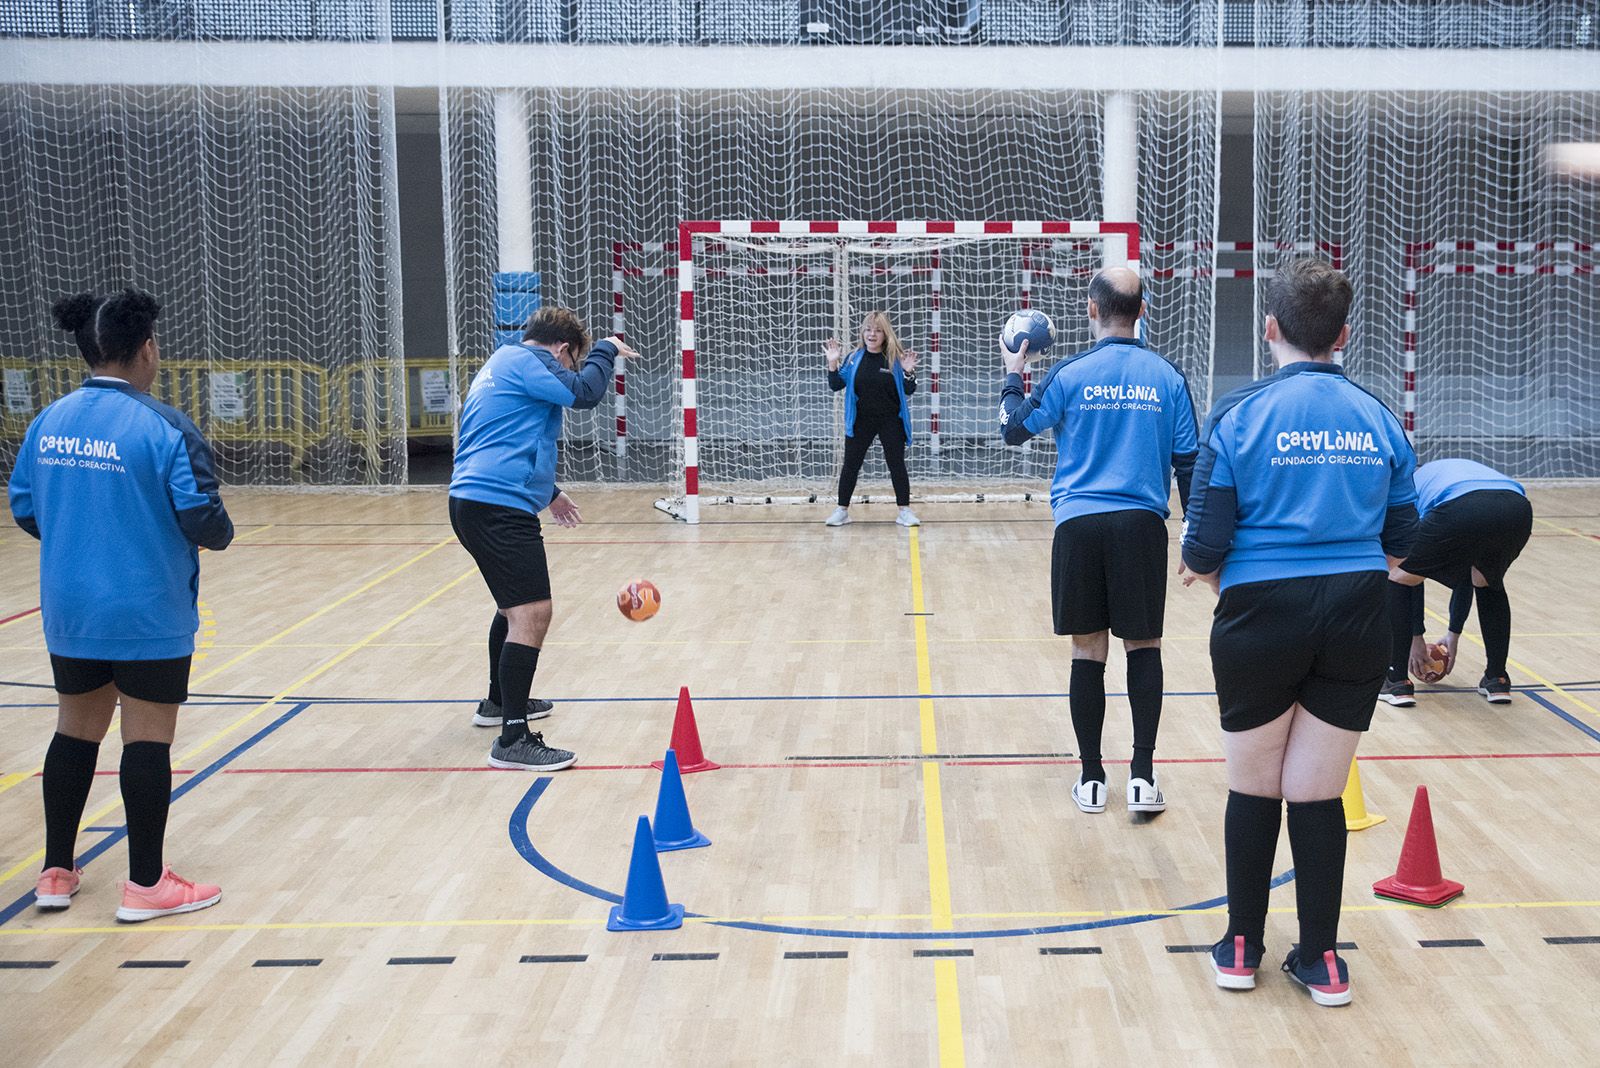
(19, 615)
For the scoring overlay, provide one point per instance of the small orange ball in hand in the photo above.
(639, 600)
(1438, 657)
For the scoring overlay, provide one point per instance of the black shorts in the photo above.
(161, 682)
(508, 547)
(1109, 571)
(1321, 642)
(1484, 529)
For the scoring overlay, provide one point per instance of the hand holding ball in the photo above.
(1031, 325)
(639, 600)
(1438, 657)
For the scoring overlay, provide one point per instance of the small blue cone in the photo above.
(644, 903)
(674, 829)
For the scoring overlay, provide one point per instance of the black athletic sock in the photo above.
(1250, 834)
(517, 665)
(68, 774)
(1317, 839)
(1494, 621)
(1086, 697)
(1400, 632)
(497, 640)
(146, 795)
(1145, 683)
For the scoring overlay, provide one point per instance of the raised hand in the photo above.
(624, 350)
(832, 353)
(1014, 361)
(908, 362)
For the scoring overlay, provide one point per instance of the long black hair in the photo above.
(75, 314)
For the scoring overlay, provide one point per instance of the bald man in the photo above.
(1124, 424)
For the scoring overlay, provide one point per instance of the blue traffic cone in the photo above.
(673, 828)
(644, 902)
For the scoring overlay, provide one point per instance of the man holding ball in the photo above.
(1475, 523)
(1124, 424)
(504, 477)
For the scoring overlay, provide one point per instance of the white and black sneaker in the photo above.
(1496, 689)
(1145, 796)
(1401, 694)
(490, 715)
(529, 753)
(1089, 796)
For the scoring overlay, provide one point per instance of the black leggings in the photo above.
(893, 436)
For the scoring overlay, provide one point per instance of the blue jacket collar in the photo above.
(110, 383)
(1309, 367)
(1105, 341)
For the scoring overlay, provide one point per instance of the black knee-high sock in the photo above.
(1250, 833)
(517, 665)
(1405, 603)
(497, 639)
(1145, 683)
(1317, 839)
(1086, 697)
(146, 795)
(1494, 620)
(68, 774)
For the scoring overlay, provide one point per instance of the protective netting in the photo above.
(613, 172)
(263, 219)
(1477, 311)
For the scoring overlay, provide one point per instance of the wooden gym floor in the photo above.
(898, 875)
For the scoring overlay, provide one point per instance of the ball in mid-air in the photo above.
(1034, 326)
(639, 600)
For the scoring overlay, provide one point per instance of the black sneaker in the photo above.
(1400, 694)
(1235, 962)
(1496, 689)
(489, 714)
(529, 753)
(1326, 980)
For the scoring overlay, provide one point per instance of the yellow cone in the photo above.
(1356, 816)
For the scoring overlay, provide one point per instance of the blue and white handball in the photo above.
(1034, 326)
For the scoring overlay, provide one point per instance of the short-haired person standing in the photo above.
(505, 470)
(120, 491)
(876, 379)
(1475, 523)
(1124, 423)
(1303, 487)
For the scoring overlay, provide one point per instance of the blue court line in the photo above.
(1553, 707)
(119, 833)
(523, 844)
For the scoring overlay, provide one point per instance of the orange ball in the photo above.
(639, 600)
(1438, 656)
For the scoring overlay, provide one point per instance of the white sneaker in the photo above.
(907, 518)
(839, 518)
(1145, 796)
(1089, 796)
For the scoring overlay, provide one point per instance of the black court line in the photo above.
(816, 954)
(31, 965)
(1450, 943)
(1573, 940)
(941, 952)
(287, 962)
(938, 756)
(916, 613)
(684, 956)
(154, 964)
(554, 958)
(1069, 951)
(1207, 949)
(422, 960)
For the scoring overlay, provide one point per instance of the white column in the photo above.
(1119, 175)
(513, 174)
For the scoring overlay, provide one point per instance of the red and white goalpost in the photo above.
(757, 298)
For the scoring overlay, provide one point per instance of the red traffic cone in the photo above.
(1418, 880)
(686, 739)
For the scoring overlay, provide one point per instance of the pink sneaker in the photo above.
(56, 887)
(172, 894)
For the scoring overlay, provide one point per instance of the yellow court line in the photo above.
(355, 925)
(946, 989)
(1528, 671)
(16, 777)
(1590, 538)
(273, 702)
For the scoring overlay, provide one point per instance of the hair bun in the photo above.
(73, 313)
